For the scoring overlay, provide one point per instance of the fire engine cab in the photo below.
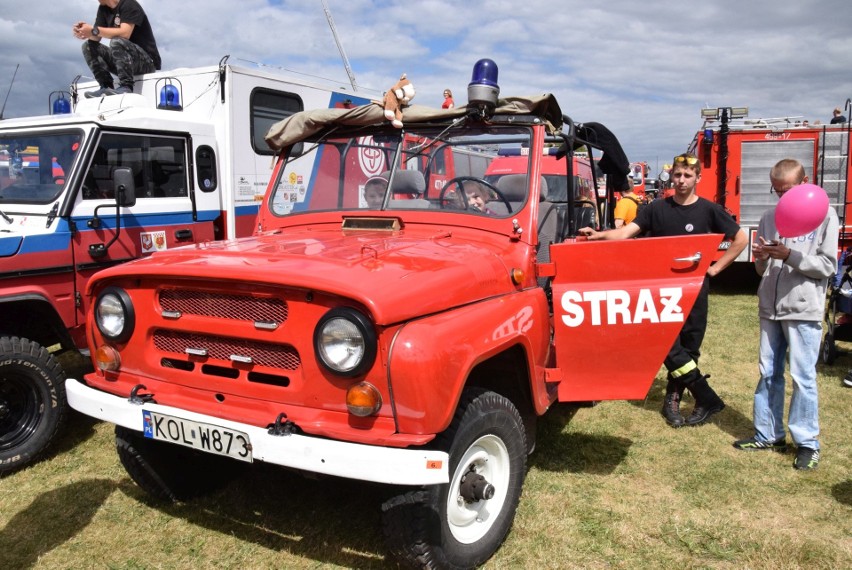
(413, 341)
(106, 180)
(737, 153)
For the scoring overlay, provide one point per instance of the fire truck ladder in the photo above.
(833, 169)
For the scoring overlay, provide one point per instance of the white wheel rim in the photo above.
(469, 522)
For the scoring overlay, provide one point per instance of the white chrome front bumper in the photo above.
(331, 457)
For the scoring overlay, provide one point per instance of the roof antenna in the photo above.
(339, 46)
(6, 100)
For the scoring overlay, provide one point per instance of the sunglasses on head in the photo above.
(687, 159)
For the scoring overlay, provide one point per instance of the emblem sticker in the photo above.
(153, 241)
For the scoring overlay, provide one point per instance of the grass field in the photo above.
(609, 486)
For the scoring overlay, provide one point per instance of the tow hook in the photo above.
(474, 487)
(139, 399)
(283, 428)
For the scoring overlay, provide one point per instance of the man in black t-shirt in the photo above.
(132, 48)
(685, 213)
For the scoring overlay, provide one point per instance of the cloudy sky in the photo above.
(643, 68)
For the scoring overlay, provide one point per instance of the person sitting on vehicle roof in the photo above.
(132, 47)
(838, 116)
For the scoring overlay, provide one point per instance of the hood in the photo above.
(418, 272)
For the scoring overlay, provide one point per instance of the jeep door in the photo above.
(618, 306)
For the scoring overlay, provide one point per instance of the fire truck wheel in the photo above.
(462, 523)
(32, 401)
(172, 472)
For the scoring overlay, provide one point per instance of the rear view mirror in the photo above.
(125, 187)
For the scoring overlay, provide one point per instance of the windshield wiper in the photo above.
(6, 217)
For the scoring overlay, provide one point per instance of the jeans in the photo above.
(803, 340)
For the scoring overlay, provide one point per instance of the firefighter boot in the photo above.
(671, 404)
(707, 401)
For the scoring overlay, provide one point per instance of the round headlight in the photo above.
(345, 342)
(114, 314)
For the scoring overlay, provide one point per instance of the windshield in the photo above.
(436, 168)
(33, 167)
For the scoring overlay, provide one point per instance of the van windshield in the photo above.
(33, 166)
(420, 168)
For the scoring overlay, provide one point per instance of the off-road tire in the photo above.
(170, 472)
(33, 406)
(828, 350)
(425, 529)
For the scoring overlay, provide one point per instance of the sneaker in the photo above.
(847, 380)
(120, 90)
(98, 92)
(753, 444)
(806, 458)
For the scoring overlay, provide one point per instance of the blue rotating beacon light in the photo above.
(483, 90)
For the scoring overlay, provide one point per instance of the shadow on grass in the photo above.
(329, 520)
(570, 452)
(79, 428)
(336, 521)
(52, 519)
(842, 492)
(731, 419)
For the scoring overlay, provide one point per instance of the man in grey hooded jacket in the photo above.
(791, 303)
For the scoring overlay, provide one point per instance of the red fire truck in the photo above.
(413, 343)
(737, 153)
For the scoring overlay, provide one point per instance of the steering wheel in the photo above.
(459, 181)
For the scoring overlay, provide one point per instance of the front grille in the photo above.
(224, 305)
(280, 356)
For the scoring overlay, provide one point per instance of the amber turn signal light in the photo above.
(517, 276)
(107, 358)
(363, 399)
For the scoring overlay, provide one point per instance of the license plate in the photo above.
(197, 435)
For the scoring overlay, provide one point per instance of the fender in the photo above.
(431, 358)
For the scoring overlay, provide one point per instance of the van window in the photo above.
(33, 165)
(158, 165)
(267, 107)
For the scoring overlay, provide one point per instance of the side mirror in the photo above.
(125, 187)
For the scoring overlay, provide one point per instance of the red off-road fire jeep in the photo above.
(411, 339)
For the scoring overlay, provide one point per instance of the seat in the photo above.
(412, 183)
(513, 188)
(408, 182)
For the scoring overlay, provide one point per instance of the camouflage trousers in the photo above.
(121, 57)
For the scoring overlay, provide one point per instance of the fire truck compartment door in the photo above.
(618, 306)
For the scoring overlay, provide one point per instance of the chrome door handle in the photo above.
(694, 258)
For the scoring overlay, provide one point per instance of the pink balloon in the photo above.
(801, 210)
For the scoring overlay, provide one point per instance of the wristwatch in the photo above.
(96, 31)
